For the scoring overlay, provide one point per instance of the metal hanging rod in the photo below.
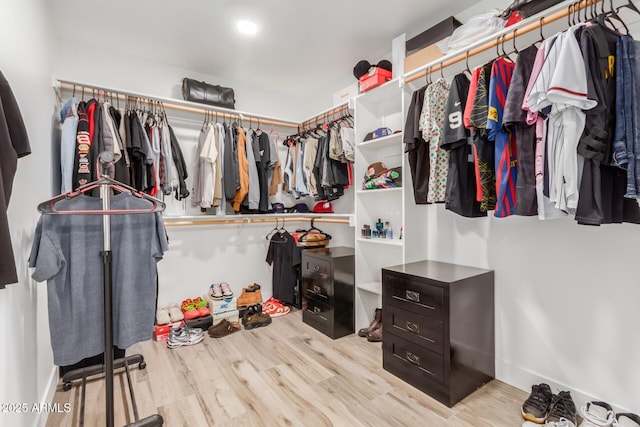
(174, 104)
(499, 38)
(180, 222)
(340, 111)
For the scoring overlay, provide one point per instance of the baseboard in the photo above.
(521, 378)
(47, 397)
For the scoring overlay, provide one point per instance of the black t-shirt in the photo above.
(514, 120)
(285, 257)
(460, 196)
(417, 148)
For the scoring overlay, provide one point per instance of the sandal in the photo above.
(201, 306)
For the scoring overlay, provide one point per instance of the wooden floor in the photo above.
(285, 374)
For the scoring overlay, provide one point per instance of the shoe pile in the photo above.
(192, 309)
(374, 331)
(184, 336)
(223, 328)
(254, 318)
(274, 308)
(544, 407)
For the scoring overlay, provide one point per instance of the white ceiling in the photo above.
(302, 47)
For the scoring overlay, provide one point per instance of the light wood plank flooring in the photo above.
(285, 374)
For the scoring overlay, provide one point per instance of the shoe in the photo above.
(562, 412)
(223, 328)
(162, 316)
(253, 309)
(255, 320)
(201, 307)
(597, 414)
(249, 298)
(537, 405)
(226, 290)
(375, 335)
(274, 308)
(253, 288)
(184, 336)
(175, 314)
(627, 420)
(189, 310)
(215, 291)
(377, 323)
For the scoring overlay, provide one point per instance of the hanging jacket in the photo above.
(243, 166)
(82, 163)
(136, 153)
(181, 167)
(263, 170)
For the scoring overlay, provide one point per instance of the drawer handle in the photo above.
(316, 310)
(413, 358)
(412, 327)
(316, 289)
(316, 268)
(413, 296)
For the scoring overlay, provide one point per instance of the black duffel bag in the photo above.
(529, 8)
(204, 93)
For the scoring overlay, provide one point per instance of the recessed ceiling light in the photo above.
(247, 27)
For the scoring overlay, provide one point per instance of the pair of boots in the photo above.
(374, 331)
(251, 295)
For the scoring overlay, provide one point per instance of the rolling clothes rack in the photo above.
(48, 208)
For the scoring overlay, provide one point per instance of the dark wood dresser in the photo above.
(328, 289)
(438, 325)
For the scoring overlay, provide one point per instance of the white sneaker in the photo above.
(184, 336)
(627, 420)
(597, 414)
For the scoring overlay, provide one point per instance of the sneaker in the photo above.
(536, 407)
(175, 314)
(215, 291)
(627, 420)
(597, 414)
(255, 320)
(184, 336)
(562, 412)
(201, 306)
(274, 308)
(189, 310)
(162, 316)
(226, 290)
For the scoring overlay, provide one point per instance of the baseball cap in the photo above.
(323, 207)
(378, 133)
(277, 207)
(375, 169)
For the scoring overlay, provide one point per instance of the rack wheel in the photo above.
(67, 386)
(142, 365)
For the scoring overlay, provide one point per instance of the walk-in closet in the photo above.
(348, 214)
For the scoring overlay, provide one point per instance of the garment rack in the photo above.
(498, 39)
(174, 104)
(326, 116)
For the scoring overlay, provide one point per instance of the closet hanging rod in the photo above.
(246, 220)
(498, 38)
(175, 104)
(327, 113)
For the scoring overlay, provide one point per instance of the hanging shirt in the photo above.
(310, 152)
(432, 127)
(505, 146)
(69, 131)
(473, 89)
(66, 253)
(417, 148)
(285, 258)
(206, 154)
(276, 174)
(461, 179)
(14, 143)
(264, 147)
(253, 197)
(243, 170)
(220, 198)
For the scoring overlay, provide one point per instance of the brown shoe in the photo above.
(256, 320)
(249, 298)
(228, 329)
(218, 326)
(375, 335)
(253, 288)
(377, 323)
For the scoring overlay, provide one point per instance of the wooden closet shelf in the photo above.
(178, 221)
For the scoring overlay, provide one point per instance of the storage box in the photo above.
(161, 332)
(202, 322)
(231, 316)
(421, 57)
(374, 78)
(432, 35)
(217, 306)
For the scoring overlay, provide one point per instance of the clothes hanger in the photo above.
(513, 40)
(541, 33)
(274, 229)
(466, 63)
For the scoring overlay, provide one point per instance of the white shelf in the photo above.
(394, 139)
(207, 219)
(373, 287)
(380, 241)
(380, 190)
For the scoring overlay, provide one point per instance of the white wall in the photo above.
(84, 63)
(26, 58)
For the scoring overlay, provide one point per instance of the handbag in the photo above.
(528, 8)
(205, 93)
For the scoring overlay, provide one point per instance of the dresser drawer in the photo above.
(414, 296)
(316, 265)
(418, 329)
(414, 364)
(318, 315)
(316, 289)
